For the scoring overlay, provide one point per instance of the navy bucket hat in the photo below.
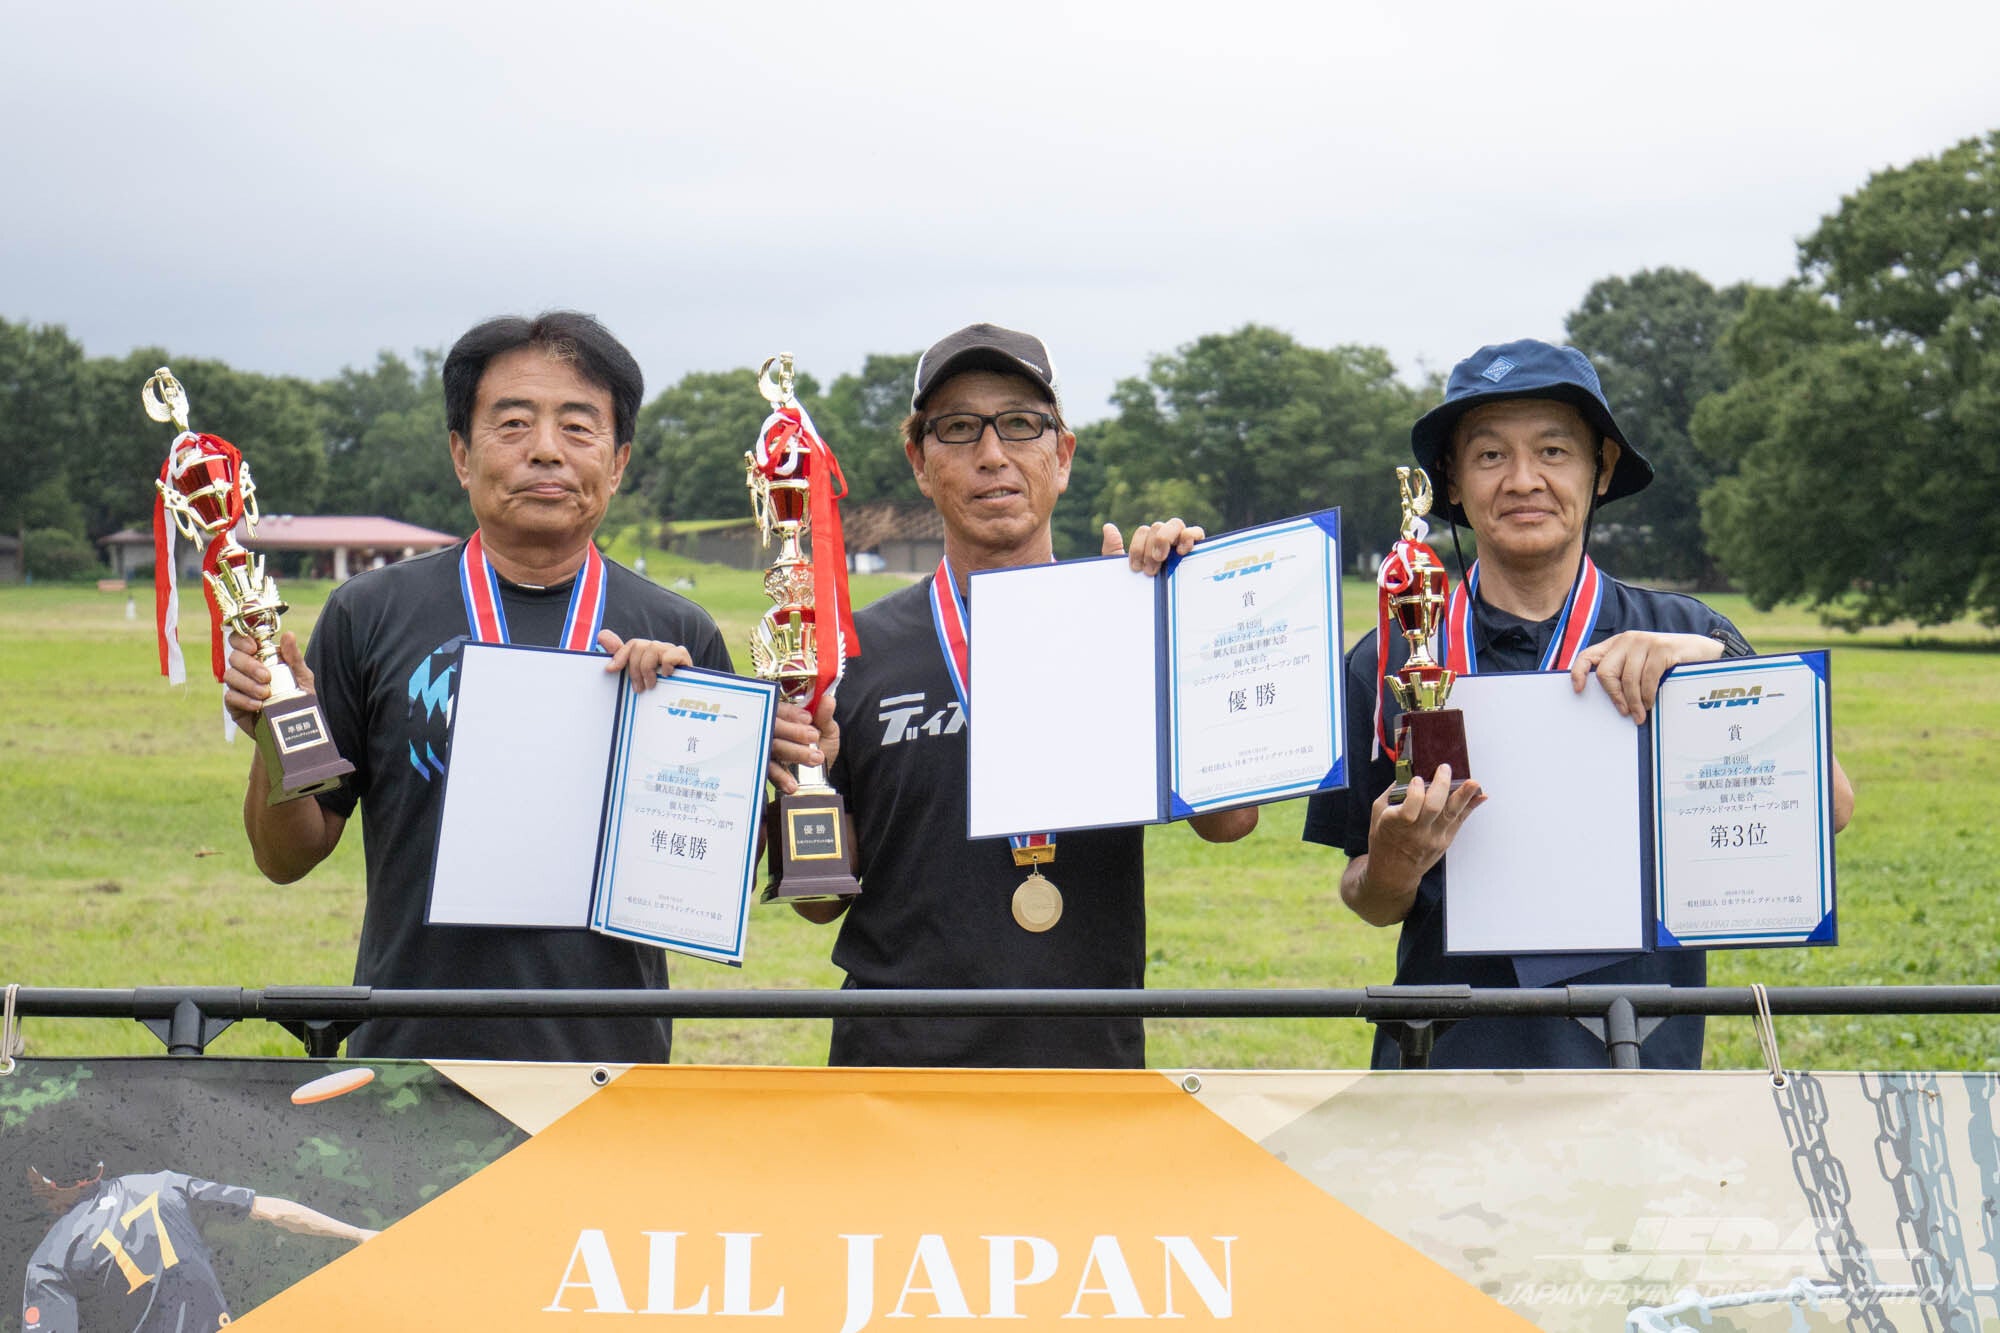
(1524, 369)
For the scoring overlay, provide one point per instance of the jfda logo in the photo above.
(698, 709)
(1735, 696)
(1246, 564)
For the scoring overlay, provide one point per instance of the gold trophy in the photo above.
(204, 487)
(1415, 587)
(812, 844)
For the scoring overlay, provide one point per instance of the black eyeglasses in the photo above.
(967, 427)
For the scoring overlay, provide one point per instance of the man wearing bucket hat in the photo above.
(986, 441)
(1523, 450)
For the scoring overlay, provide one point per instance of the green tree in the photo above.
(688, 455)
(1864, 427)
(273, 419)
(113, 480)
(1656, 340)
(1078, 524)
(1250, 426)
(60, 555)
(388, 450)
(43, 419)
(861, 417)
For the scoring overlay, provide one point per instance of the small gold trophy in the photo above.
(205, 488)
(791, 475)
(1415, 587)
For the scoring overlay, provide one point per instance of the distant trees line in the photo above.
(1834, 440)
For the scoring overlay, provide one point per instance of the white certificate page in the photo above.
(1552, 863)
(524, 793)
(680, 828)
(1744, 837)
(1255, 689)
(1065, 699)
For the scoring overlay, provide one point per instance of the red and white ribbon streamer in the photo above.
(1398, 576)
(787, 442)
(188, 449)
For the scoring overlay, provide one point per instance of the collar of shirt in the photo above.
(1506, 642)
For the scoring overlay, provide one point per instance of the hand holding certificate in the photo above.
(1108, 697)
(574, 800)
(1718, 831)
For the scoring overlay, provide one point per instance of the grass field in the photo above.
(122, 858)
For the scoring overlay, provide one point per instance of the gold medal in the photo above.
(1037, 904)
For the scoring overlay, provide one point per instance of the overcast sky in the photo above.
(294, 187)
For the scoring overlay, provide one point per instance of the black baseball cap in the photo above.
(986, 347)
(1523, 369)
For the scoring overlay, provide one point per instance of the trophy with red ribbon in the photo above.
(205, 489)
(803, 641)
(1413, 590)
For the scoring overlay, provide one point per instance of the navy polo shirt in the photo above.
(1340, 819)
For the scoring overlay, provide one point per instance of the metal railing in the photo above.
(187, 1018)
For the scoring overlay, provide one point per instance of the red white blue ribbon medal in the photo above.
(1037, 903)
(1579, 618)
(488, 618)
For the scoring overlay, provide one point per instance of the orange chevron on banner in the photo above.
(850, 1200)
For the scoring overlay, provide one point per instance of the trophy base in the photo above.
(1424, 740)
(299, 758)
(811, 848)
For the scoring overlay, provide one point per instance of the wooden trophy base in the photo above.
(811, 849)
(1423, 741)
(299, 757)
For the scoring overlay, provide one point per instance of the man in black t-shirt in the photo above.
(128, 1254)
(1522, 450)
(986, 441)
(541, 415)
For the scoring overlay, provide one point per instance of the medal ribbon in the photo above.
(1579, 618)
(786, 442)
(488, 618)
(949, 616)
(189, 448)
(1397, 576)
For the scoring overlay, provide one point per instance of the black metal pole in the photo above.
(1621, 1034)
(187, 1018)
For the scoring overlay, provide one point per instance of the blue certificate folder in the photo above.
(1102, 697)
(1709, 826)
(573, 801)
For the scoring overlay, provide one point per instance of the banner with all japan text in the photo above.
(183, 1195)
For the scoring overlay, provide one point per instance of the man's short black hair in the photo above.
(566, 335)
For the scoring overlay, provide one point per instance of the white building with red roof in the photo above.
(341, 544)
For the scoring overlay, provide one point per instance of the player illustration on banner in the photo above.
(127, 1252)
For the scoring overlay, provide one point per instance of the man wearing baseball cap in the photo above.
(986, 440)
(1523, 450)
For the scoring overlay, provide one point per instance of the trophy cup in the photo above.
(791, 474)
(205, 487)
(1414, 588)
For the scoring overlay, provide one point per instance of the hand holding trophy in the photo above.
(205, 488)
(805, 638)
(1413, 590)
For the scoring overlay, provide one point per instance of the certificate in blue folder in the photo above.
(573, 801)
(1104, 697)
(1710, 826)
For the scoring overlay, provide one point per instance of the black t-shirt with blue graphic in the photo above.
(936, 908)
(130, 1256)
(385, 661)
